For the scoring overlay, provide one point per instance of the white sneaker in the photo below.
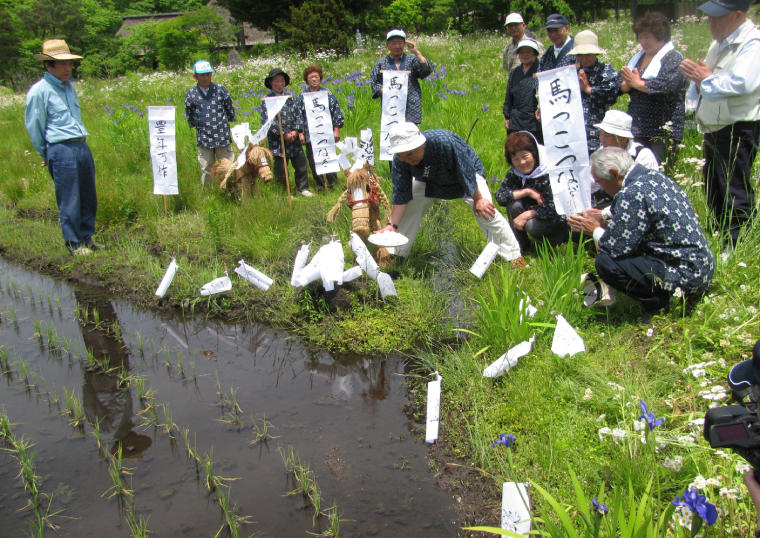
(307, 193)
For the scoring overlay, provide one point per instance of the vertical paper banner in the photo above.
(366, 149)
(163, 149)
(559, 93)
(433, 409)
(239, 132)
(317, 105)
(515, 508)
(274, 105)
(395, 86)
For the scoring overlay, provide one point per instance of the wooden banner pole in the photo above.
(284, 159)
(164, 206)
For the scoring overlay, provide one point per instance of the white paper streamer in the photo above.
(352, 274)
(515, 515)
(239, 132)
(257, 278)
(509, 359)
(274, 105)
(218, 285)
(317, 106)
(485, 259)
(310, 273)
(163, 149)
(366, 149)
(395, 87)
(433, 409)
(564, 130)
(331, 265)
(168, 277)
(363, 257)
(566, 341)
(301, 257)
(385, 282)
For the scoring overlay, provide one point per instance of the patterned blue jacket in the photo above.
(409, 62)
(549, 61)
(290, 122)
(335, 112)
(210, 115)
(652, 216)
(605, 85)
(448, 169)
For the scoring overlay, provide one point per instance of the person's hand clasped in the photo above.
(484, 208)
(583, 223)
(632, 78)
(302, 138)
(533, 193)
(583, 80)
(696, 72)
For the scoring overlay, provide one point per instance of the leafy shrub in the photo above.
(319, 25)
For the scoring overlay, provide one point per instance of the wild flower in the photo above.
(713, 482)
(505, 440)
(601, 509)
(638, 425)
(729, 493)
(743, 468)
(589, 393)
(675, 465)
(697, 504)
(699, 482)
(741, 264)
(603, 431)
(601, 418)
(485, 107)
(618, 435)
(171, 99)
(678, 293)
(687, 439)
(650, 332)
(650, 418)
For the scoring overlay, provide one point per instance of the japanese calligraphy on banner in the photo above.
(559, 95)
(317, 105)
(395, 86)
(366, 149)
(274, 105)
(163, 149)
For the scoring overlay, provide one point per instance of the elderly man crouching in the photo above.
(653, 245)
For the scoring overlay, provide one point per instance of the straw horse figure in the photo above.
(364, 196)
(256, 166)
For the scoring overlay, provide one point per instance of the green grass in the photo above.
(554, 406)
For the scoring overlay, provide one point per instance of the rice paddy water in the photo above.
(128, 421)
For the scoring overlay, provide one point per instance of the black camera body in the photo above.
(734, 427)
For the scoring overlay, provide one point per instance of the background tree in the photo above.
(319, 24)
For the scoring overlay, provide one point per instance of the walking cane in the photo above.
(284, 159)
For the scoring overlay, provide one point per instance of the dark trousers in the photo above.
(666, 153)
(73, 170)
(299, 165)
(539, 229)
(639, 277)
(729, 154)
(332, 178)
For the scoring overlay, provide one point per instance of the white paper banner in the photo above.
(218, 285)
(515, 508)
(509, 359)
(163, 149)
(433, 409)
(366, 149)
(352, 274)
(363, 257)
(239, 132)
(395, 86)
(387, 287)
(564, 130)
(301, 257)
(168, 277)
(257, 278)
(317, 105)
(566, 341)
(274, 105)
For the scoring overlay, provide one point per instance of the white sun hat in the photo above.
(405, 137)
(514, 17)
(586, 42)
(616, 122)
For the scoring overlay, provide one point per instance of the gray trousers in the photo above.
(538, 229)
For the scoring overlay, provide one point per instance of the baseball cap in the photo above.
(718, 8)
(514, 17)
(396, 33)
(556, 21)
(202, 66)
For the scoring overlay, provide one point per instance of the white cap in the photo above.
(528, 42)
(616, 122)
(396, 33)
(514, 17)
(405, 137)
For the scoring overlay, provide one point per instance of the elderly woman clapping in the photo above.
(520, 101)
(657, 88)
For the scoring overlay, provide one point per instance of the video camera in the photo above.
(732, 426)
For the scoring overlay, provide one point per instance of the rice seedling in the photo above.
(42, 520)
(207, 462)
(29, 290)
(139, 341)
(262, 432)
(4, 360)
(38, 329)
(304, 476)
(137, 525)
(53, 398)
(47, 295)
(77, 419)
(233, 401)
(95, 426)
(22, 366)
(232, 419)
(316, 500)
(117, 330)
(180, 363)
(289, 458)
(167, 360)
(117, 472)
(13, 314)
(96, 316)
(168, 422)
(76, 311)
(57, 300)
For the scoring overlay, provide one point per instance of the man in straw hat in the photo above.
(599, 83)
(54, 122)
(727, 87)
(517, 31)
(438, 164)
(209, 111)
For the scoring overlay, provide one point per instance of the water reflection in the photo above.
(107, 401)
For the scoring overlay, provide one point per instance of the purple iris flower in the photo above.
(496, 179)
(698, 505)
(245, 96)
(142, 114)
(650, 418)
(105, 107)
(486, 107)
(247, 114)
(328, 79)
(443, 95)
(116, 122)
(443, 70)
(476, 87)
(109, 114)
(601, 508)
(171, 99)
(237, 101)
(350, 106)
(505, 440)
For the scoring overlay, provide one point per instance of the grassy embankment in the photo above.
(554, 406)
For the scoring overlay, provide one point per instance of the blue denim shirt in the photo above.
(52, 113)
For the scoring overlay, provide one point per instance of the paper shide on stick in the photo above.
(218, 285)
(257, 278)
(566, 341)
(509, 359)
(433, 409)
(168, 277)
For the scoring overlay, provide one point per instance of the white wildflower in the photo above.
(650, 332)
(639, 425)
(604, 431)
(588, 394)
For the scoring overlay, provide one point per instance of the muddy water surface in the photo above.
(344, 417)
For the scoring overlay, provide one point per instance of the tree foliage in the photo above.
(319, 24)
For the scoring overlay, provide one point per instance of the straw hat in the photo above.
(55, 49)
(405, 137)
(586, 42)
(616, 122)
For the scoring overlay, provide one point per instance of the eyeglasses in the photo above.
(750, 406)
